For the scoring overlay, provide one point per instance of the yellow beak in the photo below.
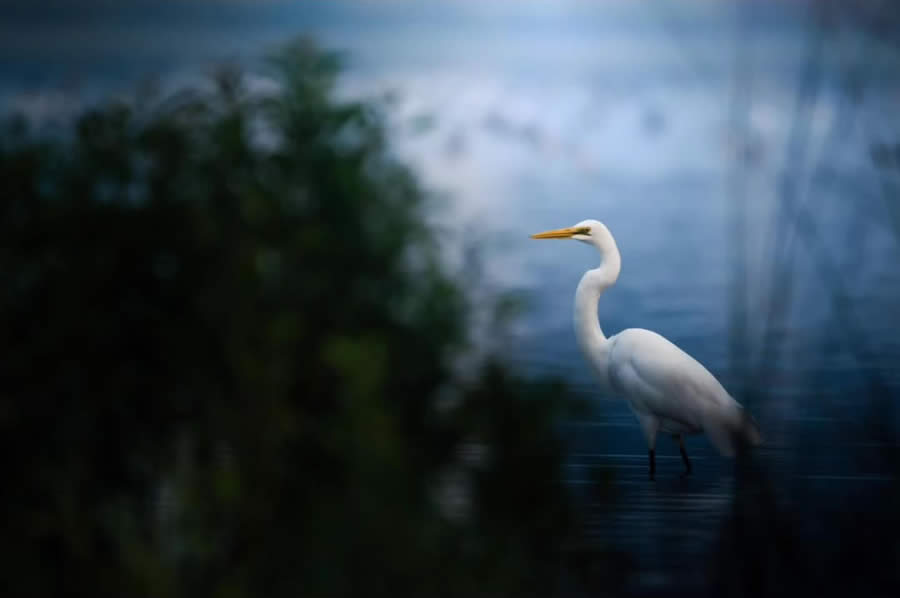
(562, 233)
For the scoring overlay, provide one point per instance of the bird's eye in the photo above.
(584, 230)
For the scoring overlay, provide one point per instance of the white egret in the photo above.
(667, 389)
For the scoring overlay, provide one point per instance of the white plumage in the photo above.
(667, 389)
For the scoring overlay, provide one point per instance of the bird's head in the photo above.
(592, 232)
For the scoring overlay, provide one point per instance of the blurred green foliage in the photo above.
(229, 350)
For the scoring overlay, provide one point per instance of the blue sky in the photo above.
(43, 41)
(620, 90)
(533, 95)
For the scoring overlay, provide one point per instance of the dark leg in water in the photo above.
(652, 464)
(684, 457)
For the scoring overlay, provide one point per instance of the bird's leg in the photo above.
(650, 426)
(684, 457)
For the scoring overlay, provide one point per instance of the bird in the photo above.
(668, 390)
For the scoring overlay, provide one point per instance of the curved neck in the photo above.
(587, 325)
(592, 285)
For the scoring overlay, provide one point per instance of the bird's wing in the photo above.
(660, 379)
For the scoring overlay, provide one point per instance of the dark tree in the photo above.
(228, 349)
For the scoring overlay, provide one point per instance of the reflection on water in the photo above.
(673, 526)
(667, 524)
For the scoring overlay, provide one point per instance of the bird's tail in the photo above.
(730, 432)
(749, 430)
